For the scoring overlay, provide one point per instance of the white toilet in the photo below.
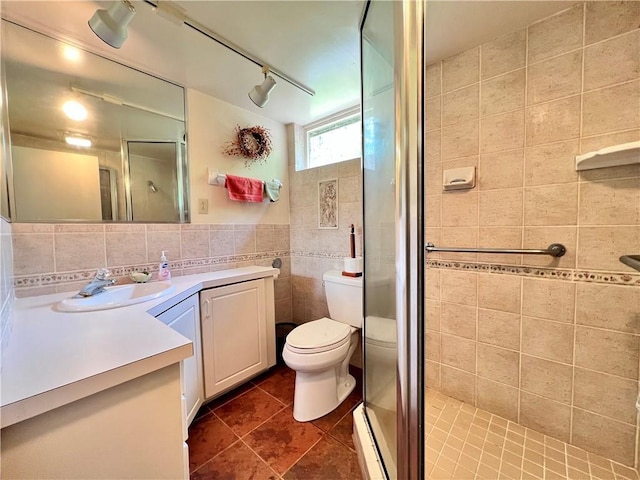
(319, 351)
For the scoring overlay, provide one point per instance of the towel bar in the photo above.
(218, 179)
(554, 250)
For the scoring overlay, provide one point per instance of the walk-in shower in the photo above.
(531, 340)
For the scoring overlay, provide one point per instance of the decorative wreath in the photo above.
(253, 143)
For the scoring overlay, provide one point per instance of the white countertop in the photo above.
(54, 358)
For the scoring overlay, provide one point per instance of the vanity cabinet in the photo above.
(238, 333)
(184, 318)
(131, 431)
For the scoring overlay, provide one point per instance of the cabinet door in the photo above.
(184, 318)
(234, 340)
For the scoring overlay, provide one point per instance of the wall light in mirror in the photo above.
(78, 141)
(74, 110)
(71, 53)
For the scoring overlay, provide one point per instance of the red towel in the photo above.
(244, 189)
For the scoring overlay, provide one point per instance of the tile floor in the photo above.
(464, 442)
(250, 433)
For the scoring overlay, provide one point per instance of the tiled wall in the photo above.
(6, 281)
(315, 250)
(551, 343)
(63, 257)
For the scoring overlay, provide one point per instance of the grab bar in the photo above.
(632, 261)
(554, 250)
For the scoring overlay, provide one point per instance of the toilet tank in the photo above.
(344, 297)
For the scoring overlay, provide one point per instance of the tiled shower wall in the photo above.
(52, 258)
(550, 343)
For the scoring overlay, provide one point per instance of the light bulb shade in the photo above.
(111, 25)
(259, 94)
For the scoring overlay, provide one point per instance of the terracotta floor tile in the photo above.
(208, 436)
(237, 462)
(204, 410)
(246, 412)
(327, 422)
(227, 397)
(281, 441)
(327, 460)
(279, 382)
(343, 431)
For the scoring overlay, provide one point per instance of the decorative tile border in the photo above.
(298, 253)
(47, 279)
(606, 277)
(554, 273)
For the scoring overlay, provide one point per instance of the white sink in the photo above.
(114, 297)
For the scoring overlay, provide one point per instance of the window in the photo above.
(333, 140)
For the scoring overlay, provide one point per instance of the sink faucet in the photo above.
(97, 285)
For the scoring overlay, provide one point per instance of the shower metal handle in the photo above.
(554, 250)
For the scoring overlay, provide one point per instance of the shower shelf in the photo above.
(624, 154)
(554, 250)
(632, 261)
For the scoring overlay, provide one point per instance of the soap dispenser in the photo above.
(163, 268)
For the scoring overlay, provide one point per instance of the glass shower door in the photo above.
(380, 332)
(392, 179)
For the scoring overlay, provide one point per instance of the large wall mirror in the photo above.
(91, 140)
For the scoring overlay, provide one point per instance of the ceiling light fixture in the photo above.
(111, 25)
(78, 141)
(74, 110)
(259, 94)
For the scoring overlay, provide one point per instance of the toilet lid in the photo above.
(319, 335)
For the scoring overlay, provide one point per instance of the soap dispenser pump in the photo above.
(163, 268)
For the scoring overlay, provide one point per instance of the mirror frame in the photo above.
(6, 171)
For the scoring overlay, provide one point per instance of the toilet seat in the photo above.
(318, 336)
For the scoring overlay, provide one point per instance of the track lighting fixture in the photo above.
(259, 94)
(111, 25)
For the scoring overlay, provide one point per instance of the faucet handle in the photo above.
(102, 273)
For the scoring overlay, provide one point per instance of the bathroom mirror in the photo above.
(91, 140)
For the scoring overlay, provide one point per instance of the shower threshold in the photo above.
(464, 442)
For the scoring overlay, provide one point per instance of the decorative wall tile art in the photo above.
(328, 203)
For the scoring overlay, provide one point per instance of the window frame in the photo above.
(325, 122)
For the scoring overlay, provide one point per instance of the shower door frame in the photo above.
(408, 18)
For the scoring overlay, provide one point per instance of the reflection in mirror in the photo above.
(153, 185)
(4, 152)
(91, 140)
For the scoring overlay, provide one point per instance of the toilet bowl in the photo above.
(319, 351)
(322, 371)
